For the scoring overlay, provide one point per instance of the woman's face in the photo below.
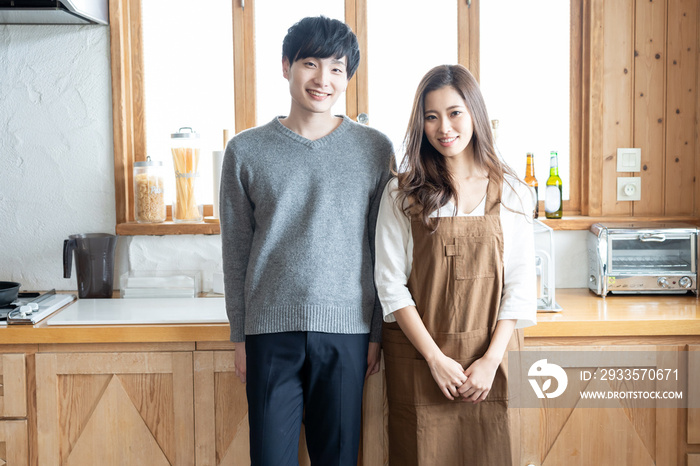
(448, 124)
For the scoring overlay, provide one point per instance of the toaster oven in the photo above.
(633, 258)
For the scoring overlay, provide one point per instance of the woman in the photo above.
(455, 275)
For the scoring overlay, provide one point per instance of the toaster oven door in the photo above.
(655, 253)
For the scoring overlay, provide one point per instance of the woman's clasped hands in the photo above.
(472, 384)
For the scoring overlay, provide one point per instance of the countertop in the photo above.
(583, 315)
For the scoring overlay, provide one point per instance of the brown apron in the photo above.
(456, 281)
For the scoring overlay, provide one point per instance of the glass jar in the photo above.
(185, 147)
(149, 201)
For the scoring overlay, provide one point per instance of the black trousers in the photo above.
(319, 376)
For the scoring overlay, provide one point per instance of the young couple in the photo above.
(320, 245)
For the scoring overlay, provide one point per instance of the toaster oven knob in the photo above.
(662, 282)
(685, 282)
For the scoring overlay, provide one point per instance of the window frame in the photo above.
(128, 107)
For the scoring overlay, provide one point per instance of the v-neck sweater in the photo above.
(297, 229)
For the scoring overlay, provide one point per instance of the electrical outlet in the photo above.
(629, 188)
(629, 160)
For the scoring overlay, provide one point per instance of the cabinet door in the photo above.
(580, 436)
(221, 415)
(693, 395)
(13, 386)
(113, 409)
(221, 412)
(14, 449)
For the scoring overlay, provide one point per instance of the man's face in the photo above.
(316, 83)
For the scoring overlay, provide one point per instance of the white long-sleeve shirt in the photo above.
(394, 253)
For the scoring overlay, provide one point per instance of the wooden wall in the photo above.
(642, 64)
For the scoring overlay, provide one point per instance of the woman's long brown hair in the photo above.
(425, 183)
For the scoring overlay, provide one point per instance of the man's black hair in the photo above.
(321, 37)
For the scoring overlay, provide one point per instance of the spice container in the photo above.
(149, 202)
(185, 147)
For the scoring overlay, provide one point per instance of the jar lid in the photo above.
(181, 134)
(149, 163)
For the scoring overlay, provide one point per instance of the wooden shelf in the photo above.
(167, 228)
(585, 222)
(205, 228)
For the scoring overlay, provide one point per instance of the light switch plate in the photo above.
(629, 160)
(629, 188)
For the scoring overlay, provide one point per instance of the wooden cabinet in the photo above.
(221, 415)
(14, 443)
(112, 409)
(14, 446)
(625, 434)
(13, 386)
(221, 411)
(694, 396)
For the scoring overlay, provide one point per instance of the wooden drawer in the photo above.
(14, 449)
(13, 386)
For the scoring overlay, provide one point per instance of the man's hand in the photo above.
(240, 360)
(373, 359)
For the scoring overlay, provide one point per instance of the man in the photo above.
(299, 201)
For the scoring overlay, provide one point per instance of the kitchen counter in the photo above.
(583, 315)
(97, 364)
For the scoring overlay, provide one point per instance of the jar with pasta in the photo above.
(185, 147)
(149, 201)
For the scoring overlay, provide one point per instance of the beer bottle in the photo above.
(531, 181)
(553, 194)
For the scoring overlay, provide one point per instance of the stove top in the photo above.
(21, 298)
(45, 305)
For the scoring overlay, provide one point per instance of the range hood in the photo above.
(54, 12)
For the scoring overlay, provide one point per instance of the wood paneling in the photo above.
(618, 72)
(681, 69)
(639, 79)
(649, 96)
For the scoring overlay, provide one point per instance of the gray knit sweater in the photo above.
(297, 229)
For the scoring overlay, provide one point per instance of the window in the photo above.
(272, 91)
(525, 82)
(394, 76)
(445, 32)
(188, 78)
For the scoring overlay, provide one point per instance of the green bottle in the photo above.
(553, 194)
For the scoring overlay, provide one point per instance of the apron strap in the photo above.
(493, 198)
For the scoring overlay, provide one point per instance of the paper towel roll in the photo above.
(217, 162)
